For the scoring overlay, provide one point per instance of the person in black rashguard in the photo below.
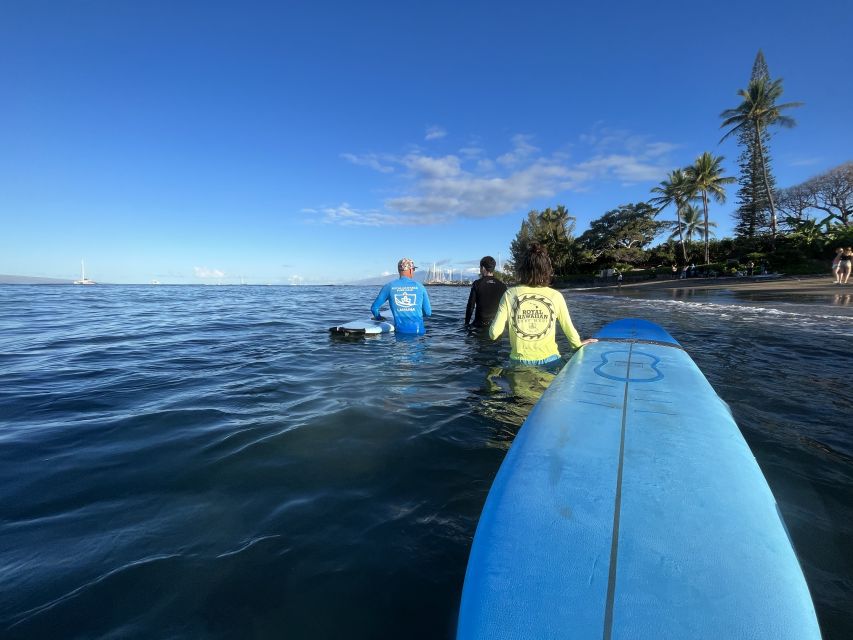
(486, 293)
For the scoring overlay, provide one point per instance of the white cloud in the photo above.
(435, 133)
(475, 196)
(446, 167)
(655, 149)
(434, 189)
(522, 149)
(622, 167)
(204, 272)
(348, 216)
(368, 160)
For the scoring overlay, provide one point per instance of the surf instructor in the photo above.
(408, 299)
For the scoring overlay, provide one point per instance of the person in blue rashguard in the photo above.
(408, 299)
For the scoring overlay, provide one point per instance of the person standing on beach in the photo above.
(532, 310)
(485, 295)
(846, 265)
(408, 299)
(836, 264)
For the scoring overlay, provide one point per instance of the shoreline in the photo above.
(813, 290)
(810, 286)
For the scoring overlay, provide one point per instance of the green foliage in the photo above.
(675, 190)
(705, 177)
(664, 255)
(553, 228)
(621, 235)
(757, 112)
(753, 213)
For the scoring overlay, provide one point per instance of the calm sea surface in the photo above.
(208, 462)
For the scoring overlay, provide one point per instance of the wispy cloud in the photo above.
(436, 188)
(804, 162)
(370, 160)
(204, 272)
(522, 150)
(435, 132)
(348, 216)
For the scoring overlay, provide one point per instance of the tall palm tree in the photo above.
(673, 190)
(705, 177)
(759, 111)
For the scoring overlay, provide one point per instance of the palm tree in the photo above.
(555, 232)
(705, 177)
(758, 111)
(692, 225)
(673, 190)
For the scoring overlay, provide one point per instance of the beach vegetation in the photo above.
(758, 111)
(553, 228)
(621, 235)
(826, 198)
(706, 179)
(756, 180)
(791, 230)
(674, 191)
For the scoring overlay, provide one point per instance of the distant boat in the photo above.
(155, 282)
(83, 279)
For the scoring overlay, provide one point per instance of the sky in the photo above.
(320, 142)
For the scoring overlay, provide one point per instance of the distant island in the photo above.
(6, 279)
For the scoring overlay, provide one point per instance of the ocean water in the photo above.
(208, 462)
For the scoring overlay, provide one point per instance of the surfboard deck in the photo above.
(630, 506)
(364, 327)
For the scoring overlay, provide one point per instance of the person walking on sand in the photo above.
(836, 264)
(532, 309)
(846, 265)
(408, 299)
(486, 293)
(618, 279)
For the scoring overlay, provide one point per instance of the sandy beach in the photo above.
(802, 286)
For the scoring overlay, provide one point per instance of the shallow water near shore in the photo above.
(208, 462)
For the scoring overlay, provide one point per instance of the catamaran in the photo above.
(83, 279)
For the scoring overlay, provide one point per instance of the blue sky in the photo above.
(279, 142)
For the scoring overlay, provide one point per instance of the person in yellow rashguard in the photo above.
(533, 310)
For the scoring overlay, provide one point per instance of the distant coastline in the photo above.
(7, 279)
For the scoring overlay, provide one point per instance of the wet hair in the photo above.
(488, 263)
(535, 269)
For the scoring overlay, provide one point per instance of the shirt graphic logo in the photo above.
(405, 299)
(532, 316)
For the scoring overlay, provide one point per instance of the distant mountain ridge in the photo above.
(7, 279)
(380, 280)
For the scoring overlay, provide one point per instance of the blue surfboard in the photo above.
(630, 506)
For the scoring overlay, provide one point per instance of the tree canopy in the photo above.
(622, 234)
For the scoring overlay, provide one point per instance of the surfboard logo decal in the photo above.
(641, 367)
(532, 316)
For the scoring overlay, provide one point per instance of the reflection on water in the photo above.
(511, 392)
